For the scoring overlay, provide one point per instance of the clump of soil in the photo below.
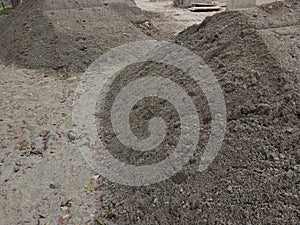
(255, 177)
(57, 34)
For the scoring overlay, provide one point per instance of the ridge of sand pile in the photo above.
(252, 52)
(258, 166)
(55, 34)
(128, 9)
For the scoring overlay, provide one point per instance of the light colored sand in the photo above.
(172, 20)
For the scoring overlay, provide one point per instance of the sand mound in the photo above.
(55, 34)
(250, 46)
(253, 54)
(128, 9)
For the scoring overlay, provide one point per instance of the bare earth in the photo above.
(51, 188)
(170, 20)
(45, 181)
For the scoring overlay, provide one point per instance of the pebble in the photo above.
(281, 156)
(64, 208)
(276, 158)
(52, 186)
(16, 169)
(253, 81)
(71, 135)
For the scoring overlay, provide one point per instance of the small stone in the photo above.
(65, 219)
(44, 134)
(155, 201)
(281, 156)
(276, 158)
(253, 81)
(272, 156)
(23, 145)
(16, 169)
(229, 188)
(296, 168)
(139, 213)
(53, 150)
(52, 186)
(64, 208)
(71, 135)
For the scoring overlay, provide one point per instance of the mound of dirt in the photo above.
(128, 9)
(251, 46)
(255, 178)
(72, 34)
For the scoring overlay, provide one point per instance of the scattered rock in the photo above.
(16, 169)
(155, 201)
(71, 135)
(23, 145)
(65, 219)
(52, 186)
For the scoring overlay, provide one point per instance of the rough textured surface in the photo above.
(255, 177)
(166, 20)
(40, 167)
(57, 34)
(128, 9)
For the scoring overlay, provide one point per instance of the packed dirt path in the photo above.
(171, 20)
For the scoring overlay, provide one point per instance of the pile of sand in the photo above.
(254, 55)
(72, 34)
(128, 9)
